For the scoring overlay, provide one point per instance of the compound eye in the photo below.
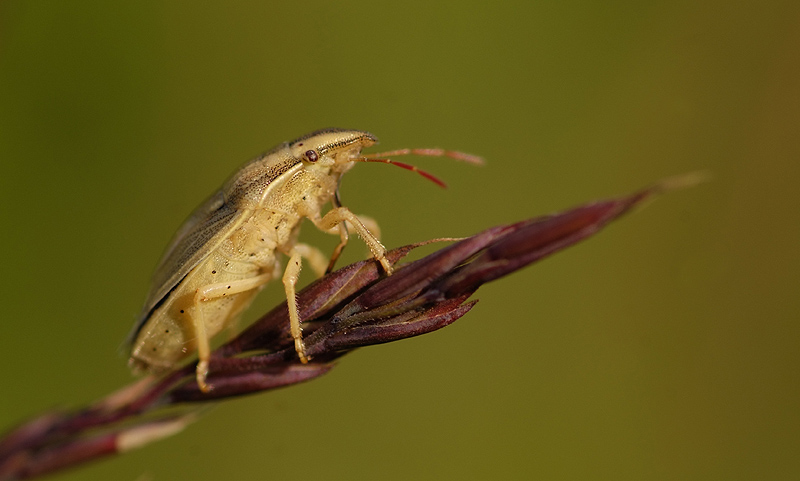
(311, 155)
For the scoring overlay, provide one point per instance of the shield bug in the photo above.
(230, 247)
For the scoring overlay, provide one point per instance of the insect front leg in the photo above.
(208, 293)
(337, 216)
(344, 230)
(317, 261)
(371, 225)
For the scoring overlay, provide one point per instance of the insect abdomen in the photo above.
(170, 335)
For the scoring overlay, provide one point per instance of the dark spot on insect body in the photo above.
(304, 197)
(311, 156)
(166, 331)
(229, 287)
(181, 311)
(213, 272)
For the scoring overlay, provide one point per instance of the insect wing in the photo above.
(203, 212)
(202, 232)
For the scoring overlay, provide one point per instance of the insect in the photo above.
(230, 247)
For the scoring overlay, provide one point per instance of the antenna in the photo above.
(381, 157)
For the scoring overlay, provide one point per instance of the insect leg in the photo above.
(344, 230)
(371, 225)
(316, 258)
(207, 293)
(344, 234)
(290, 276)
(337, 251)
(339, 215)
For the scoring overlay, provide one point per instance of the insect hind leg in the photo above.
(208, 293)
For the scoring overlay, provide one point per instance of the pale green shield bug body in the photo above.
(230, 247)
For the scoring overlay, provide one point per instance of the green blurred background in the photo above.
(665, 348)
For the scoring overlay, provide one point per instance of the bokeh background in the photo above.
(664, 348)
